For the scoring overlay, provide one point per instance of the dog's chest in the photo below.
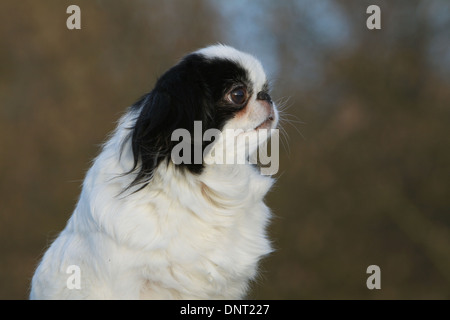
(205, 259)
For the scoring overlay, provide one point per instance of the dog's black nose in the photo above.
(262, 95)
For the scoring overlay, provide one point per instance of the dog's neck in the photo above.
(225, 187)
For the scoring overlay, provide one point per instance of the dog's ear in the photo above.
(178, 99)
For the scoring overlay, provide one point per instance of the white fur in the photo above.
(183, 236)
(257, 74)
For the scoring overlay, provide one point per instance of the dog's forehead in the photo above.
(248, 62)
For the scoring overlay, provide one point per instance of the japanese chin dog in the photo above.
(146, 227)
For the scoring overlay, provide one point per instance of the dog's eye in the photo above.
(238, 96)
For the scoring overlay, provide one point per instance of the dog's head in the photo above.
(219, 87)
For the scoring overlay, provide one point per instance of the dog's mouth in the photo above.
(267, 123)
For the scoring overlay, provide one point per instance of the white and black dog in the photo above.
(147, 228)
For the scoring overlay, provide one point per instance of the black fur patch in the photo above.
(193, 90)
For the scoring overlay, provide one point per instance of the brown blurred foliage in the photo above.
(364, 178)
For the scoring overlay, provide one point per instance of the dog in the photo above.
(147, 228)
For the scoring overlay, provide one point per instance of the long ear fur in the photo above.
(179, 98)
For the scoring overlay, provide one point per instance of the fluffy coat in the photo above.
(183, 236)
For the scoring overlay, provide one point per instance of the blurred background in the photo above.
(365, 171)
